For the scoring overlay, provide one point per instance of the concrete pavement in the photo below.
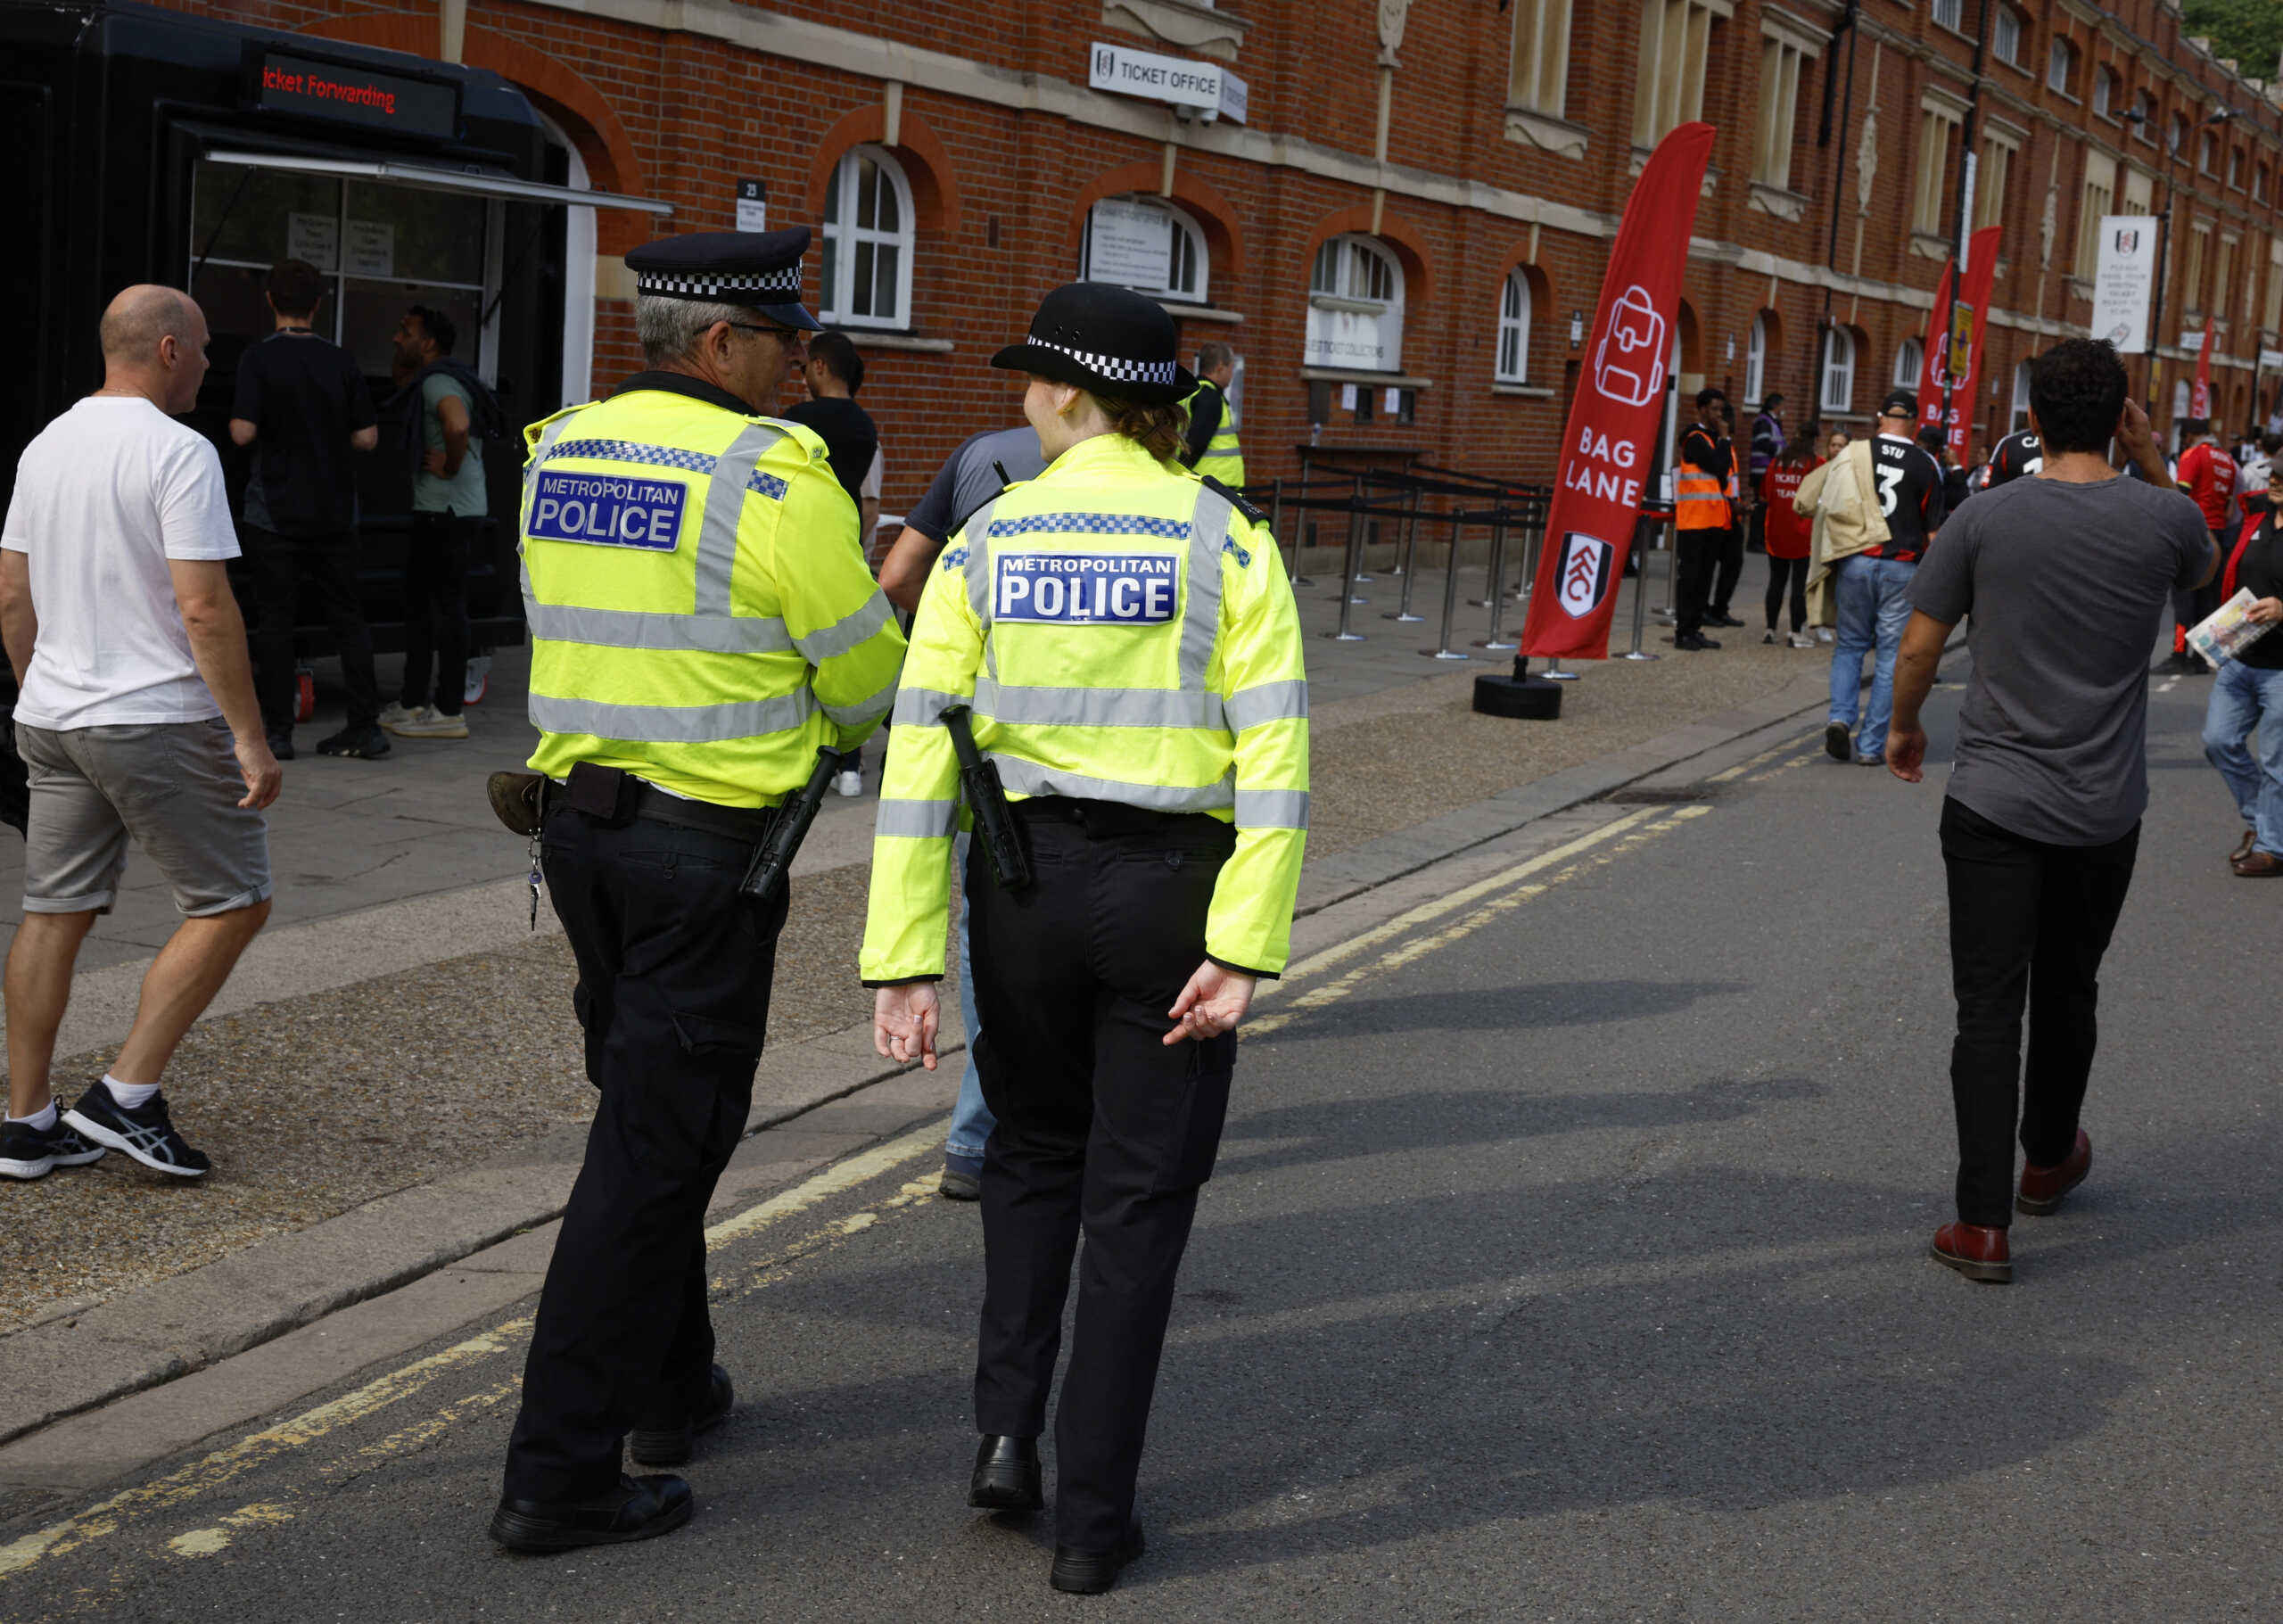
(1565, 1260)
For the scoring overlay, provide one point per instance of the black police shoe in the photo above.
(27, 1152)
(1007, 1475)
(1836, 743)
(962, 1179)
(639, 1508)
(1091, 1572)
(671, 1446)
(146, 1133)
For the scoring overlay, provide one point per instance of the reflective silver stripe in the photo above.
(673, 724)
(725, 505)
(868, 709)
(670, 633)
(918, 820)
(1271, 809)
(978, 532)
(1285, 701)
(847, 632)
(923, 708)
(1200, 621)
(1024, 778)
(1099, 707)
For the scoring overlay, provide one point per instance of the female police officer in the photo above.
(1124, 636)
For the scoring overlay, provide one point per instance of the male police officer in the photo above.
(701, 620)
(1211, 446)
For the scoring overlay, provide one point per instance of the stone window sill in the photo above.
(1378, 380)
(1530, 392)
(1199, 312)
(1559, 137)
(1784, 204)
(1928, 246)
(914, 342)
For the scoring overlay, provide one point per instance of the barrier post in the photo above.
(1443, 649)
(1533, 542)
(1497, 586)
(1276, 528)
(1641, 604)
(1669, 614)
(1407, 565)
(1347, 598)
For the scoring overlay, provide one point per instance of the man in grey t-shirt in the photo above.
(2065, 575)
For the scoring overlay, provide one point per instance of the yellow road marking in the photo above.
(846, 1175)
(205, 1542)
(198, 1542)
(1741, 768)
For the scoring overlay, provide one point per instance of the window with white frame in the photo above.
(1515, 329)
(2236, 167)
(2021, 417)
(1951, 13)
(1937, 122)
(868, 241)
(1538, 77)
(2005, 36)
(2061, 68)
(1756, 360)
(2104, 90)
(1148, 244)
(1783, 59)
(1838, 392)
(2145, 127)
(1910, 362)
(2100, 198)
(2199, 245)
(2223, 281)
(2206, 146)
(1355, 306)
(1997, 150)
(1668, 87)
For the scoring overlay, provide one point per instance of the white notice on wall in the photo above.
(2126, 275)
(371, 248)
(315, 238)
(1391, 402)
(1347, 396)
(1131, 243)
(752, 205)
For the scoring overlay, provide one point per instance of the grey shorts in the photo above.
(175, 786)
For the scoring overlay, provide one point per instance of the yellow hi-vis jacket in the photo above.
(1223, 459)
(1122, 632)
(700, 611)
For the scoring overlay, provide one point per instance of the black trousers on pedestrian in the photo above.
(1102, 1129)
(674, 973)
(280, 563)
(1731, 565)
(435, 609)
(1696, 553)
(1795, 571)
(2029, 923)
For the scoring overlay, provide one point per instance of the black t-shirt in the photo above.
(1909, 485)
(2260, 567)
(1207, 408)
(305, 398)
(2017, 457)
(849, 438)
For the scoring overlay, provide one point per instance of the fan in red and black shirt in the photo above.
(2209, 475)
(2018, 455)
(2247, 701)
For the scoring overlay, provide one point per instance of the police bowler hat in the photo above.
(754, 270)
(1102, 338)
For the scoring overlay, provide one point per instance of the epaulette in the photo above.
(1235, 499)
(533, 431)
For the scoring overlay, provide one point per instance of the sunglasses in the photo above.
(783, 334)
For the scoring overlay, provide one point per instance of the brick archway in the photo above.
(1405, 239)
(926, 163)
(1224, 240)
(577, 106)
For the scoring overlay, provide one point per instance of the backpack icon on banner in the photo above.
(1636, 371)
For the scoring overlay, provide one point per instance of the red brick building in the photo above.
(1418, 198)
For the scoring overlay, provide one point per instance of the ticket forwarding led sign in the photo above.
(353, 96)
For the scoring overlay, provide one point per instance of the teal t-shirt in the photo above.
(462, 492)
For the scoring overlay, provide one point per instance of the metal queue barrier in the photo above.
(1415, 500)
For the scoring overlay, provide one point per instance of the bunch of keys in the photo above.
(534, 880)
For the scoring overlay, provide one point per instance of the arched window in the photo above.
(1756, 360)
(1148, 244)
(2005, 35)
(1838, 392)
(1355, 306)
(1910, 362)
(2021, 417)
(2104, 91)
(868, 242)
(1515, 329)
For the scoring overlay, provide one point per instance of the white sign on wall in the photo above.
(1355, 339)
(2126, 277)
(1209, 88)
(315, 238)
(371, 248)
(752, 205)
(1131, 243)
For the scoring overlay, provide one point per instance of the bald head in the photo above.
(154, 344)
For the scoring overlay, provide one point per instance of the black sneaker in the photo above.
(145, 1133)
(1837, 743)
(281, 745)
(366, 743)
(28, 1152)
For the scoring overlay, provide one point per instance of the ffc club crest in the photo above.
(1583, 579)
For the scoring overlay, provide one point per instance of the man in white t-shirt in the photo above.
(138, 717)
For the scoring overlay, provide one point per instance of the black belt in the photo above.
(1101, 818)
(748, 825)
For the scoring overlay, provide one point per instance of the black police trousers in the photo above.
(1101, 1128)
(674, 971)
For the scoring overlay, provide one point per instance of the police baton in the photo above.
(773, 860)
(986, 798)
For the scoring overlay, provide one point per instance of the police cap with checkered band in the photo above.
(755, 270)
(1109, 340)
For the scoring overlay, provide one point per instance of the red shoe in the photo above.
(1975, 1252)
(2042, 1188)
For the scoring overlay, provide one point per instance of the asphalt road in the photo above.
(1566, 1260)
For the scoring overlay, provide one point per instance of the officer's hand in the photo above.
(1213, 1002)
(904, 1022)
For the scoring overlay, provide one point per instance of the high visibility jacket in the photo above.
(700, 611)
(1223, 459)
(1122, 632)
(1699, 503)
